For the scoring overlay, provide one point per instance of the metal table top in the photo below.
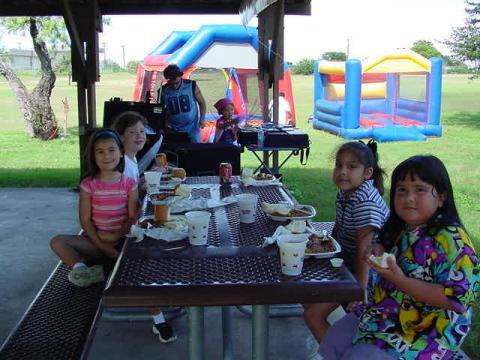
(233, 269)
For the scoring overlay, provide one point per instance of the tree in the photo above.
(303, 67)
(38, 115)
(426, 49)
(464, 42)
(132, 66)
(110, 65)
(334, 56)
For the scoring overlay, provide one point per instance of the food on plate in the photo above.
(179, 173)
(317, 244)
(295, 212)
(163, 195)
(166, 177)
(382, 260)
(281, 209)
(263, 176)
(175, 222)
(147, 223)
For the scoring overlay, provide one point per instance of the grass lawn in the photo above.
(26, 162)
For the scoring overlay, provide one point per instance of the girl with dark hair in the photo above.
(422, 300)
(360, 214)
(108, 207)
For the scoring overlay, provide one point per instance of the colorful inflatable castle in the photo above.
(233, 49)
(391, 98)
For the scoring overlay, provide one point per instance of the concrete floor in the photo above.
(30, 217)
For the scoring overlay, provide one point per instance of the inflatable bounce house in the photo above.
(391, 98)
(233, 49)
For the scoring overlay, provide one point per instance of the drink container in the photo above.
(225, 172)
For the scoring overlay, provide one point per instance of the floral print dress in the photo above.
(409, 329)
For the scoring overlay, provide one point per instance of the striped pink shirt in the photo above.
(109, 202)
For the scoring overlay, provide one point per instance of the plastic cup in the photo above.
(248, 207)
(161, 159)
(161, 213)
(292, 251)
(198, 226)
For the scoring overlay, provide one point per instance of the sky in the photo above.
(368, 28)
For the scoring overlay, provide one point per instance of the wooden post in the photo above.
(83, 29)
(66, 110)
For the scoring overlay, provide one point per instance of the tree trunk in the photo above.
(43, 118)
(38, 115)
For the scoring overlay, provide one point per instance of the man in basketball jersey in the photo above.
(183, 104)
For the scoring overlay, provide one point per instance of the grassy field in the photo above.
(26, 162)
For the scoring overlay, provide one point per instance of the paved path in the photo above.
(30, 217)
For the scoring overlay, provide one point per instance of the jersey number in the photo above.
(178, 104)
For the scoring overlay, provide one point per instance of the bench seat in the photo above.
(59, 323)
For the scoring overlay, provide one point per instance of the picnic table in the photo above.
(233, 269)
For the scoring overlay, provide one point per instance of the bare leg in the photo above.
(74, 248)
(315, 316)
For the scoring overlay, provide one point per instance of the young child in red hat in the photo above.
(227, 127)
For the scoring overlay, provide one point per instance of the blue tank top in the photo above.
(181, 107)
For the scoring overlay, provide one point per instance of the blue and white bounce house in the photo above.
(391, 98)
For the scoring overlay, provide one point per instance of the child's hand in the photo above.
(354, 305)
(108, 249)
(108, 237)
(393, 273)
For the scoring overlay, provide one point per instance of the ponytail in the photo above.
(378, 173)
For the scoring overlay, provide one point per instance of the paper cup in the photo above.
(247, 172)
(161, 213)
(292, 251)
(248, 207)
(152, 179)
(198, 226)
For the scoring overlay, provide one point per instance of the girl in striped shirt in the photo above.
(360, 214)
(108, 207)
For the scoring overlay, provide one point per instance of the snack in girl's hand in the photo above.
(382, 260)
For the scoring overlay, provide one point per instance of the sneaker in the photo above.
(165, 332)
(84, 276)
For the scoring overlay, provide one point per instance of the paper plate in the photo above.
(324, 255)
(308, 208)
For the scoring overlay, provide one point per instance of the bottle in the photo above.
(260, 137)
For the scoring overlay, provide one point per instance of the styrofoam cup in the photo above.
(248, 207)
(292, 251)
(152, 179)
(247, 172)
(198, 226)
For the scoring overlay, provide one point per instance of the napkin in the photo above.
(295, 227)
(249, 181)
(183, 191)
(188, 204)
(282, 209)
(173, 230)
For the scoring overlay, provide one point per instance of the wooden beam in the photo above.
(146, 7)
(76, 43)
